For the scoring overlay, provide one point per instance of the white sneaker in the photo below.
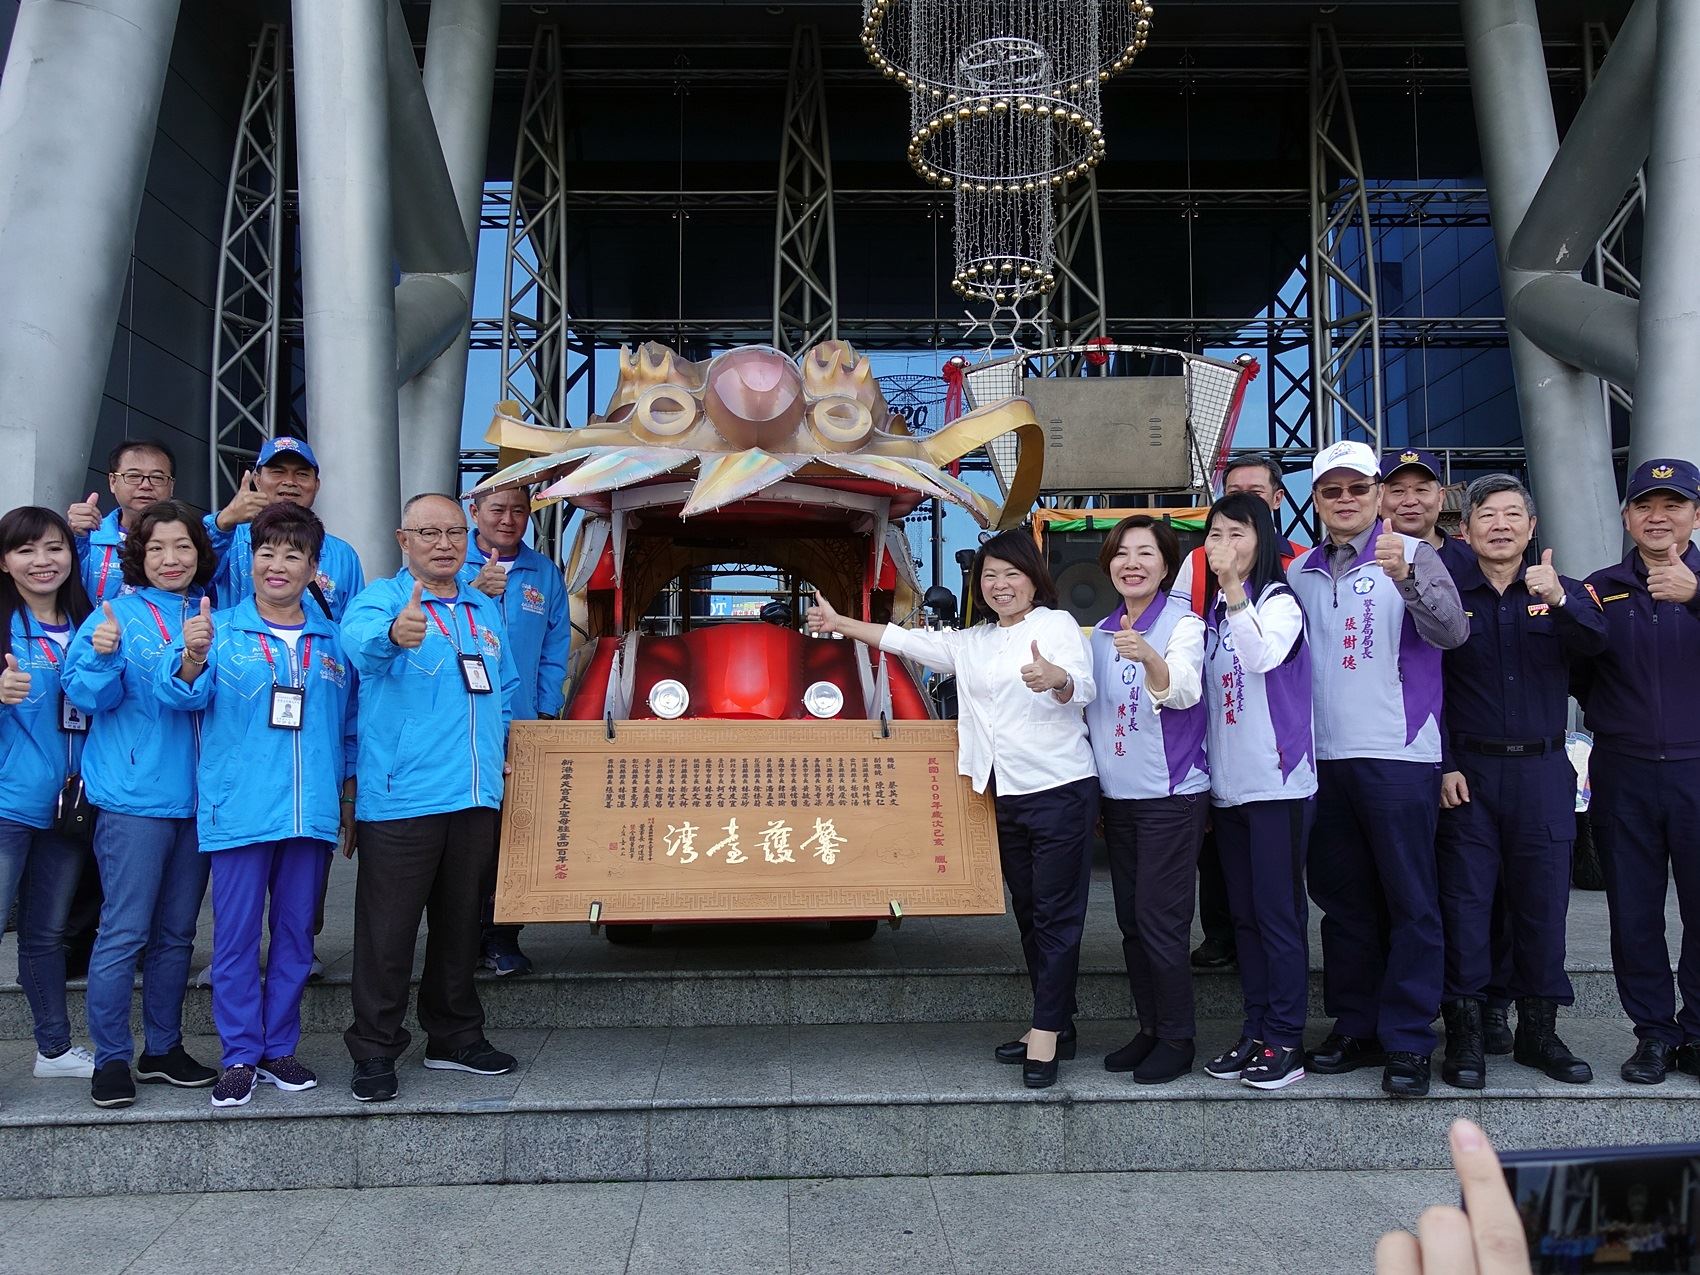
(204, 978)
(75, 1061)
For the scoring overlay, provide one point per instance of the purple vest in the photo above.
(1142, 752)
(1261, 746)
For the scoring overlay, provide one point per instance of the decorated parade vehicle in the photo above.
(716, 769)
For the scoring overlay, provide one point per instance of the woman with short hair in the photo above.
(1023, 675)
(273, 688)
(1262, 781)
(139, 766)
(42, 600)
(1147, 728)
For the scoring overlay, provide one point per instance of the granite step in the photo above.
(801, 1101)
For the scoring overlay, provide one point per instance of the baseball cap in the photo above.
(286, 445)
(1412, 458)
(1679, 476)
(1345, 455)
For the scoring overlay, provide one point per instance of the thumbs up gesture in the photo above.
(84, 516)
(408, 629)
(198, 634)
(1041, 675)
(492, 578)
(1671, 580)
(14, 682)
(107, 634)
(1390, 552)
(244, 505)
(821, 617)
(1543, 581)
(1130, 644)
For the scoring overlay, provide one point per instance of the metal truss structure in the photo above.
(1611, 268)
(247, 328)
(1075, 311)
(805, 247)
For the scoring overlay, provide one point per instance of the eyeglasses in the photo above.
(140, 478)
(1357, 491)
(431, 535)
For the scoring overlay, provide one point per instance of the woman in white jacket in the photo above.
(1023, 676)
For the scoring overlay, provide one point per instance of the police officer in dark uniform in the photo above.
(1641, 694)
(1509, 791)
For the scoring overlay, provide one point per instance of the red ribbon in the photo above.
(955, 370)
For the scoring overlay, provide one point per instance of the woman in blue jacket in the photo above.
(139, 765)
(41, 601)
(275, 695)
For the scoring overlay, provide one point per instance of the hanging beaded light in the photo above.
(1005, 243)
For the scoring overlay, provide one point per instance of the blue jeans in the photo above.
(39, 869)
(154, 876)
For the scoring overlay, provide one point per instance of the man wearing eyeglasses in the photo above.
(1379, 609)
(438, 685)
(139, 472)
(533, 597)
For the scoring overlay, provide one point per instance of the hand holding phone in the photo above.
(1487, 1239)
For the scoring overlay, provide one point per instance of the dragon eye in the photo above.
(840, 421)
(664, 411)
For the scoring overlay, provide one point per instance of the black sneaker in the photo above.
(481, 1058)
(375, 1080)
(1213, 954)
(112, 1085)
(174, 1067)
(287, 1073)
(1275, 1067)
(235, 1087)
(1227, 1066)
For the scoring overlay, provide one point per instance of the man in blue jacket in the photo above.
(140, 471)
(1640, 695)
(437, 689)
(534, 602)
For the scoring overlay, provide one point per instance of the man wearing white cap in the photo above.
(1379, 608)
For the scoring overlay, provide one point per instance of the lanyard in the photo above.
(105, 566)
(159, 620)
(47, 650)
(306, 657)
(471, 624)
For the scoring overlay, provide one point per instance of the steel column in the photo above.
(79, 100)
(1668, 384)
(348, 310)
(1564, 426)
(805, 246)
(1075, 310)
(460, 67)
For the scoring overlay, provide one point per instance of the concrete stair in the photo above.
(773, 1052)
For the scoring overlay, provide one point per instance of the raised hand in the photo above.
(492, 579)
(1671, 580)
(408, 628)
(1130, 644)
(84, 516)
(244, 505)
(1041, 675)
(107, 634)
(198, 634)
(14, 682)
(1220, 556)
(1390, 552)
(1543, 581)
(821, 617)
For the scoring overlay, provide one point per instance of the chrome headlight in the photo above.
(823, 699)
(669, 698)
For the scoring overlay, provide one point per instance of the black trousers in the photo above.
(1045, 843)
(1263, 856)
(1215, 917)
(430, 866)
(1153, 846)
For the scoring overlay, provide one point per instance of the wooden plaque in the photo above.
(738, 820)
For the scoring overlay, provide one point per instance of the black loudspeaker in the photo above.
(1083, 590)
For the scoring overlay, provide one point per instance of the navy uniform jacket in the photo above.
(1511, 680)
(1641, 692)
(1456, 556)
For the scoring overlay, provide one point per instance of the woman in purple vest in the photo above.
(1262, 779)
(1147, 728)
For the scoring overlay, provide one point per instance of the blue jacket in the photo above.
(139, 759)
(340, 575)
(97, 555)
(260, 783)
(1640, 693)
(428, 746)
(35, 755)
(539, 629)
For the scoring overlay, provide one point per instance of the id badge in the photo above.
(476, 674)
(72, 720)
(287, 702)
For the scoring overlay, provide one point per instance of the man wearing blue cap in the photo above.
(1379, 608)
(1640, 695)
(285, 470)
